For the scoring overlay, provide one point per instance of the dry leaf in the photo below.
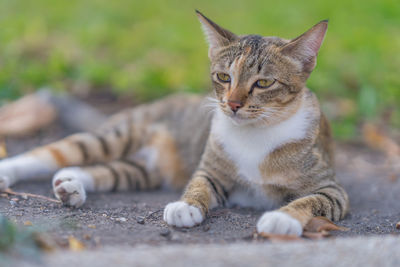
(319, 224)
(398, 225)
(317, 228)
(25, 116)
(28, 223)
(320, 227)
(92, 226)
(44, 242)
(75, 244)
(316, 235)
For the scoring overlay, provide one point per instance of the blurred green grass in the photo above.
(151, 48)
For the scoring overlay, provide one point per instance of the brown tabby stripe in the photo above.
(83, 149)
(138, 186)
(339, 206)
(332, 203)
(220, 198)
(224, 191)
(117, 132)
(337, 188)
(259, 68)
(141, 169)
(128, 144)
(340, 191)
(317, 210)
(252, 62)
(115, 176)
(226, 195)
(104, 144)
(58, 156)
(128, 178)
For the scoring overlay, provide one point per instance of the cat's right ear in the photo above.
(305, 47)
(217, 36)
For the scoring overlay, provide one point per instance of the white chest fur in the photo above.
(248, 146)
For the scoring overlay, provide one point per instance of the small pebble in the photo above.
(140, 220)
(206, 228)
(121, 219)
(165, 232)
(13, 203)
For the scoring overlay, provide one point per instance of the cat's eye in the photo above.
(264, 83)
(223, 77)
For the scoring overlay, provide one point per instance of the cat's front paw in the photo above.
(277, 222)
(6, 174)
(69, 188)
(4, 182)
(182, 214)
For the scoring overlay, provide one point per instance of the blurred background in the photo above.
(148, 49)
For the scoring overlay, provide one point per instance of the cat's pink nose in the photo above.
(235, 105)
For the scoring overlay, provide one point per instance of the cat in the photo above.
(265, 145)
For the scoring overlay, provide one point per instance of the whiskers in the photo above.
(271, 115)
(211, 104)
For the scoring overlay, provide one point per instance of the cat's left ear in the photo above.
(305, 47)
(217, 36)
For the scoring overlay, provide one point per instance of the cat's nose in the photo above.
(235, 105)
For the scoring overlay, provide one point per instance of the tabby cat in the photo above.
(266, 145)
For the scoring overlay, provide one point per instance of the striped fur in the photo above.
(138, 149)
(272, 144)
(268, 148)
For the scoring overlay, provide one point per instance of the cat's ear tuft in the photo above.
(305, 47)
(216, 36)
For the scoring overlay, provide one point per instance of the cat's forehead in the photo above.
(255, 48)
(257, 41)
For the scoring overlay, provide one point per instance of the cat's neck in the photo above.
(295, 127)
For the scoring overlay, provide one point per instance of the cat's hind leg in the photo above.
(117, 139)
(71, 184)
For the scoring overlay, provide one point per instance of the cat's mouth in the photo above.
(238, 118)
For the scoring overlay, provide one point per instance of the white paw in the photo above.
(69, 186)
(4, 182)
(7, 174)
(277, 222)
(182, 214)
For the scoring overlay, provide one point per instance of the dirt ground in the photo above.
(134, 218)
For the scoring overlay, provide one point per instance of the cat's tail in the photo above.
(35, 111)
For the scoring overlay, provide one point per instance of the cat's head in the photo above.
(260, 79)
